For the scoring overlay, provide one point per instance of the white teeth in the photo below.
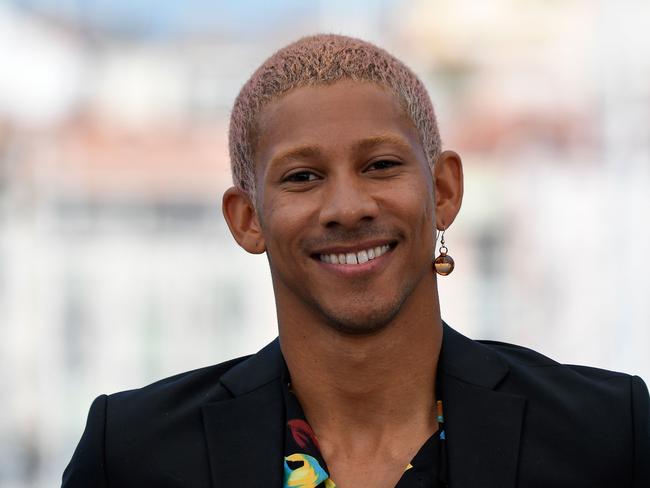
(359, 257)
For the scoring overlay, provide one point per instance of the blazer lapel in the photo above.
(245, 433)
(483, 426)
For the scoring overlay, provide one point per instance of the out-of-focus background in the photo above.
(116, 267)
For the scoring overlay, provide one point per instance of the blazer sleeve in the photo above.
(88, 466)
(641, 419)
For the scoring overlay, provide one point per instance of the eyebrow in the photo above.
(301, 152)
(379, 140)
(364, 145)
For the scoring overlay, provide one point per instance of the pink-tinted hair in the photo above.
(323, 59)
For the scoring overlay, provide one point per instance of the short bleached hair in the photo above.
(320, 60)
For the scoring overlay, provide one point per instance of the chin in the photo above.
(368, 320)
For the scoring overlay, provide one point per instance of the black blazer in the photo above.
(514, 418)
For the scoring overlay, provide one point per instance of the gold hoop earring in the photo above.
(443, 264)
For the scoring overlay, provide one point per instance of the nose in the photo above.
(347, 203)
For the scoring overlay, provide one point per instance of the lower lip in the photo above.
(358, 269)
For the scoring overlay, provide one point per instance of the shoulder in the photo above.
(540, 369)
(509, 367)
(575, 390)
(198, 386)
(126, 435)
(521, 358)
(589, 409)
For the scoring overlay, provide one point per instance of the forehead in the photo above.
(340, 113)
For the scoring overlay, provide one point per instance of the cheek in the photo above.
(429, 197)
(421, 201)
(423, 214)
(283, 223)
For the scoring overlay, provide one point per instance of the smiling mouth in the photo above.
(357, 257)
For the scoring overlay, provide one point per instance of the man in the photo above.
(340, 179)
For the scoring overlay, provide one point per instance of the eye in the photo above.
(382, 164)
(300, 177)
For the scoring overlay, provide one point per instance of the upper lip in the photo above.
(356, 247)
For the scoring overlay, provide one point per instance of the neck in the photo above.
(368, 385)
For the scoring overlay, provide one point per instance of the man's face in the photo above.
(345, 204)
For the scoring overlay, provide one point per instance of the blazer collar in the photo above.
(483, 425)
(245, 433)
(261, 368)
(467, 360)
(470, 361)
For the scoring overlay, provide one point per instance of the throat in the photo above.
(358, 461)
(365, 382)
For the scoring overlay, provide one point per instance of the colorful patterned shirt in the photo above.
(304, 466)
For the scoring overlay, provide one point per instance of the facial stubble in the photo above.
(357, 313)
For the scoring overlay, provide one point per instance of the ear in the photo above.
(242, 220)
(448, 180)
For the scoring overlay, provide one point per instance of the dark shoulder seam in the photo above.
(609, 375)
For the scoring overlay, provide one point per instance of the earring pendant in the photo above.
(443, 264)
